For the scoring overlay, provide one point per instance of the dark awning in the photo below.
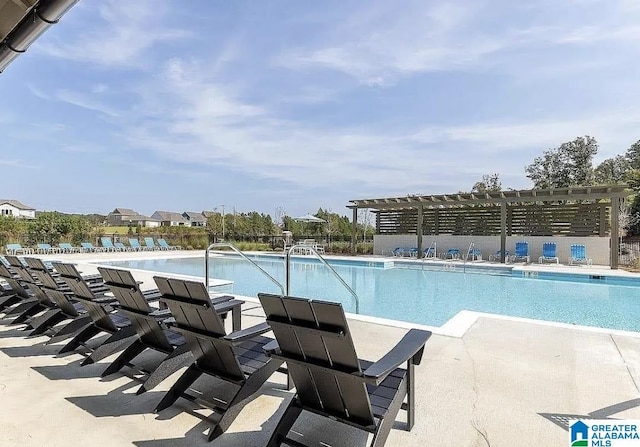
(23, 21)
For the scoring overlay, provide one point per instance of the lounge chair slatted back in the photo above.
(202, 327)
(320, 335)
(135, 244)
(19, 268)
(52, 288)
(85, 295)
(13, 282)
(314, 339)
(133, 302)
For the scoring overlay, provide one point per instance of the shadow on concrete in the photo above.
(310, 430)
(14, 332)
(70, 371)
(118, 402)
(564, 420)
(38, 349)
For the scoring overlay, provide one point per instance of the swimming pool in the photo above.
(429, 296)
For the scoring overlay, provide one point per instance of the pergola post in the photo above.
(354, 230)
(615, 232)
(419, 231)
(503, 231)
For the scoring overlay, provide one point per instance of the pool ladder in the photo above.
(466, 258)
(284, 291)
(243, 256)
(325, 263)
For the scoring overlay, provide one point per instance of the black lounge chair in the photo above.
(238, 359)
(66, 308)
(14, 292)
(104, 318)
(151, 333)
(313, 338)
(34, 303)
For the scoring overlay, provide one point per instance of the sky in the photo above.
(288, 105)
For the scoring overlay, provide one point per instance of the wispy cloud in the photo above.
(17, 164)
(123, 37)
(389, 43)
(80, 100)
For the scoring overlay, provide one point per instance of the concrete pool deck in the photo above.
(502, 382)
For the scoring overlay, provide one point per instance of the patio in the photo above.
(501, 382)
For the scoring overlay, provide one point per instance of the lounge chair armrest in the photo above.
(246, 334)
(161, 313)
(105, 300)
(271, 347)
(409, 348)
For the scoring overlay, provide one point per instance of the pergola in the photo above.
(611, 193)
(23, 21)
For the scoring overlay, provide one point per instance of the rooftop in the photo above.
(16, 204)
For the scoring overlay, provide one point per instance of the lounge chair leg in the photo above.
(131, 352)
(285, 423)
(71, 329)
(410, 396)
(80, 338)
(184, 382)
(24, 316)
(110, 345)
(45, 321)
(20, 308)
(385, 425)
(9, 300)
(243, 397)
(180, 357)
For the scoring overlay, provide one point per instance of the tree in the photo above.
(365, 217)
(612, 170)
(568, 165)
(489, 183)
(633, 155)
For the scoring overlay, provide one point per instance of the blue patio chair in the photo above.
(121, 247)
(44, 249)
(475, 255)
(135, 244)
(549, 253)
(578, 255)
(66, 247)
(163, 244)
(521, 252)
(107, 244)
(17, 249)
(452, 253)
(88, 247)
(151, 245)
(497, 256)
(430, 252)
(400, 251)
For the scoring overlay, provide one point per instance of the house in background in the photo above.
(120, 216)
(170, 219)
(195, 219)
(127, 217)
(16, 209)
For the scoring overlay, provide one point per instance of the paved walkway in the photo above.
(503, 383)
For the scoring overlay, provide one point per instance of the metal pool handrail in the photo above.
(466, 258)
(337, 275)
(237, 250)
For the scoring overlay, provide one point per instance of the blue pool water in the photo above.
(430, 297)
